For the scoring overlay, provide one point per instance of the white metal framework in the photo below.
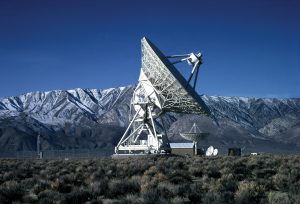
(161, 89)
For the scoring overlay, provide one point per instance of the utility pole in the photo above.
(38, 145)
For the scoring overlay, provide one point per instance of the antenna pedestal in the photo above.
(161, 89)
(143, 138)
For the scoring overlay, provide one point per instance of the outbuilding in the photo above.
(234, 151)
(182, 148)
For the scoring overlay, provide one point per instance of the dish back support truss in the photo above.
(161, 89)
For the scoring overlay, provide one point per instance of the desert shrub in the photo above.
(51, 195)
(295, 174)
(11, 191)
(69, 178)
(278, 197)
(7, 176)
(281, 181)
(162, 166)
(43, 173)
(23, 172)
(151, 171)
(78, 196)
(60, 186)
(132, 199)
(111, 170)
(196, 171)
(295, 188)
(111, 201)
(177, 200)
(295, 198)
(41, 185)
(118, 188)
(226, 170)
(3, 199)
(211, 197)
(145, 183)
(212, 170)
(131, 167)
(179, 163)
(183, 189)
(142, 165)
(264, 173)
(46, 200)
(167, 189)
(224, 163)
(249, 192)
(241, 171)
(98, 188)
(152, 196)
(167, 163)
(254, 162)
(227, 183)
(80, 178)
(227, 197)
(153, 179)
(196, 193)
(179, 176)
(214, 174)
(50, 171)
(28, 183)
(64, 188)
(30, 198)
(98, 174)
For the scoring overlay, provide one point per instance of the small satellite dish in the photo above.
(209, 151)
(215, 152)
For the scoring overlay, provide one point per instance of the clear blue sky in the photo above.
(250, 48)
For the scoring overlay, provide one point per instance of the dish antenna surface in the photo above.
(161, 89)
(194, 135)
(211, 151)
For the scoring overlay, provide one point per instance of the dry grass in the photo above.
(156, 179)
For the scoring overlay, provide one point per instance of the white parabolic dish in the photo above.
(161, 89)
(195, 137)
(211, 151)
(168, 83)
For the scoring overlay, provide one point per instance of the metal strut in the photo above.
(195, 60)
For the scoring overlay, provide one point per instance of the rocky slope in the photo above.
(96, 119)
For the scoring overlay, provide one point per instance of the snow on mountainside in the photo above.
(79, 118)
(92, 118)
(70, 105)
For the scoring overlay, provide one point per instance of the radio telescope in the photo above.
(161, 89)
(194, 135)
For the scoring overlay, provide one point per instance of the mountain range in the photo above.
(97, 118)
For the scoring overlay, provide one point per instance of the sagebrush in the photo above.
(153, 179)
